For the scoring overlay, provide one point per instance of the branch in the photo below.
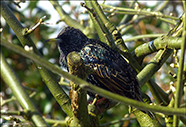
(19, 92)
(157, 44)
(161, 97)
(137, 104)
(16, 26)
(142, 37)
(119, 42)
(127, 18)
(124, 28)
(180, 84)
(84, 84)
(103, 33)
(145, 121)
(65, 17)
(153, 66)
(58, 93)
(117, 121)
(110, 35)
(3, 102)
(22, 113)
(28, 31)
(78, 95)
(122, 10)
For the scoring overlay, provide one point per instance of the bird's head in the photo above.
(70, 39)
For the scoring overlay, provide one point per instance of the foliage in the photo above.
(131, 19)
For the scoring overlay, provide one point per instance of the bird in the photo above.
(111, 70)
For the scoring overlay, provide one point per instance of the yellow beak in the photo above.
(52, 40)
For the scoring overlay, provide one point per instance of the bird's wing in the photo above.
(112, 72)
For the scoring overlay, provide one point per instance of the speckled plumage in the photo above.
(112, 72)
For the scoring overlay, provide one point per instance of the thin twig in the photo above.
(28, 31)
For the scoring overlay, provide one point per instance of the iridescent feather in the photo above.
(112, 72)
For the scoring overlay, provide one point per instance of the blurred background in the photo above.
(29, 13)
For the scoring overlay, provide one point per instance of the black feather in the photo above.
(112, 72)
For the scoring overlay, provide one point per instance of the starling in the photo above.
(112, 72)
